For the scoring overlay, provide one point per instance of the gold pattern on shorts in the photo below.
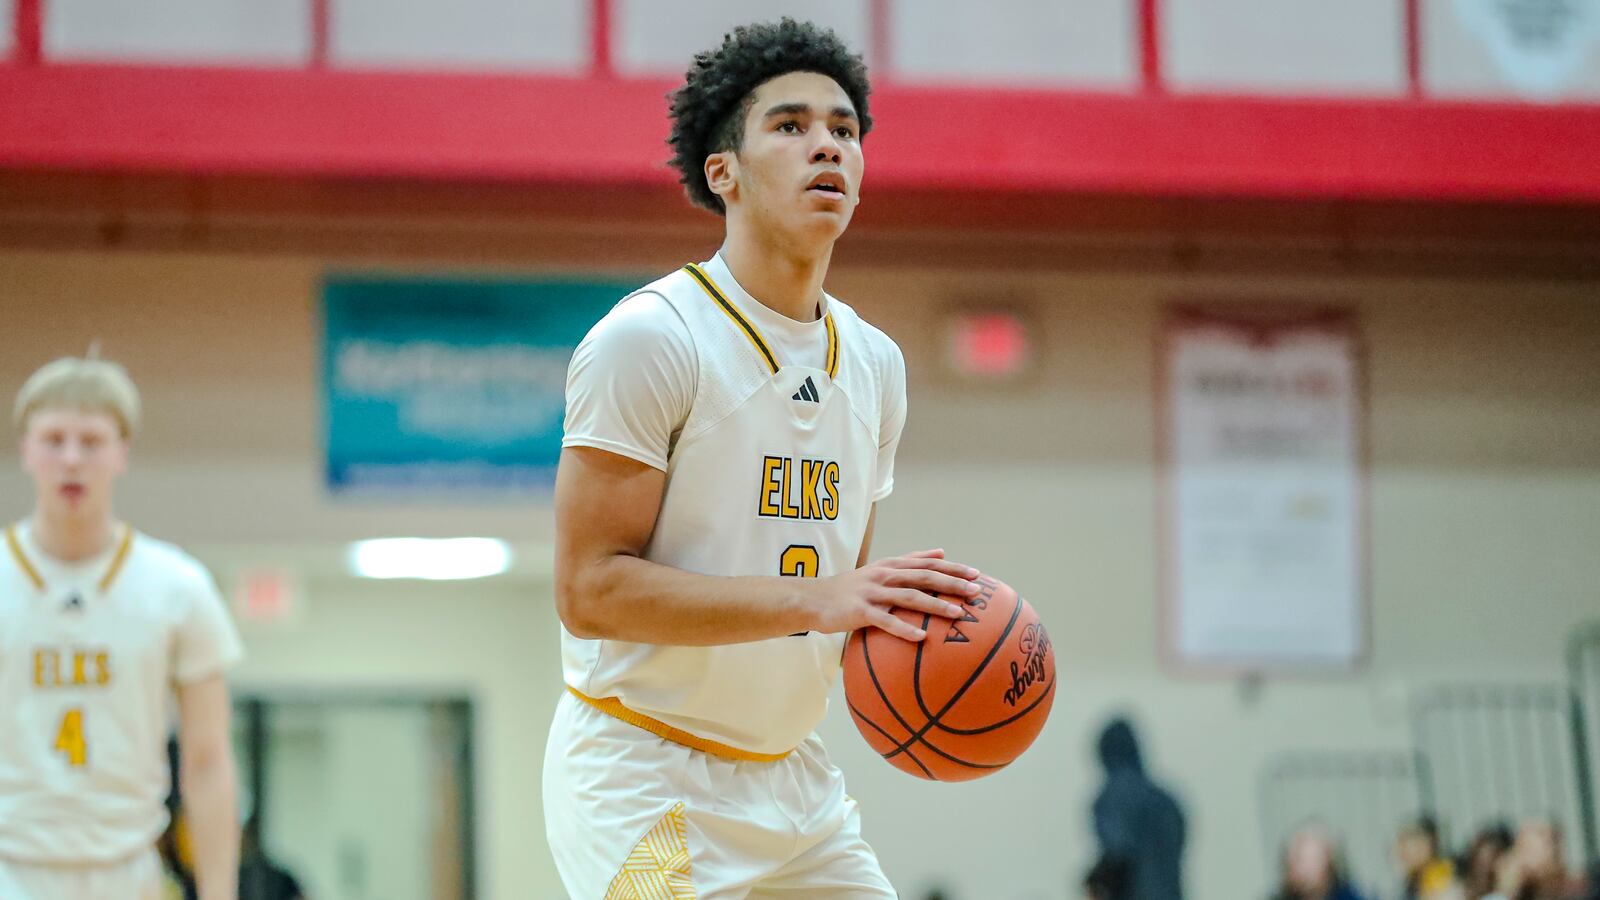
(658, 867)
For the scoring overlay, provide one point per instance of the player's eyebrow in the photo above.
(804, 109)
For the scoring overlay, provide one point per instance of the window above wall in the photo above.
(1390, 99)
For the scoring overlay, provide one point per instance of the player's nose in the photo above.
(826, 149)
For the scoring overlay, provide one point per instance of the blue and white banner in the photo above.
(433, 384)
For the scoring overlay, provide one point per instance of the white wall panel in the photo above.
(8, 18)
(223, 31)
(1087, 43)
(497, 34)
(650, 37)
(1285, 46)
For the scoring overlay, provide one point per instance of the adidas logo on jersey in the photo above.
(74, 603)
(808, 391)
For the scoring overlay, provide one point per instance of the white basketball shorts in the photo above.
(632, 815)
(138, 878)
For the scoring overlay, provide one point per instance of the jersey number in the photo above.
(69, 738)
(799, 561)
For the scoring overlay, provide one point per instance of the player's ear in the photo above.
(722, 173)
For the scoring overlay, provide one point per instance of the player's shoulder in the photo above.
(672, 286)
(152, 557)
(645, 316)
(872, 344)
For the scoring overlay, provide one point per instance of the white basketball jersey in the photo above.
(773, 473)
(89, 656)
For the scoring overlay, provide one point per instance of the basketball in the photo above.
(963, 703)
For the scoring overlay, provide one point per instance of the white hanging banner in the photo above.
(1263, 500)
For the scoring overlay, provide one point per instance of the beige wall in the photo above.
(1485, 428)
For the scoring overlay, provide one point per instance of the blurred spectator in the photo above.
(1139, 825)
(1428, 874)
(1313, 868)
(259, 877)
(1534, 869)
(1480, 863)
(1108, 880)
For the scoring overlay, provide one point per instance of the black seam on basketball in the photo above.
(879, 729)
(1001, 724)
(913, 757)
(873, 674)
(955, 759)
(863, 717)
(933, 719)
(916, 668)
(916, 679)
(916, 735)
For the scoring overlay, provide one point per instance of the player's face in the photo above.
(800, 167)
(75, 457)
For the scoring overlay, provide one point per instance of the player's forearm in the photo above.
(626, 598)
(211, 804)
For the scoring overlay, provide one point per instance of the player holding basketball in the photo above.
(727, 425)
(99, 627)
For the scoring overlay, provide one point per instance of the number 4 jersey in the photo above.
(89, 656)
(777, 437)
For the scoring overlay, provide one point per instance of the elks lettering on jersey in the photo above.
(806, 489)
(70, 668)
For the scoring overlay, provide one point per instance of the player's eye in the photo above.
(789, 126)
(845, 132)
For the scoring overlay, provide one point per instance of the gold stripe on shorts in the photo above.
(613, 707)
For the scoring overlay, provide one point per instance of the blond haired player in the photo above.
(729, 425)
(100, 626)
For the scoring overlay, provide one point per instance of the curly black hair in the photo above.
(708, 112)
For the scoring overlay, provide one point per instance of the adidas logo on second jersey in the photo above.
(808, 391)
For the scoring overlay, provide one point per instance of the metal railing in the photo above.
(1360, 796)
(1481, 753)
(1498, 752)
(1583, 675)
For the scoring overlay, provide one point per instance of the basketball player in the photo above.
(100, 626)
(728, 425)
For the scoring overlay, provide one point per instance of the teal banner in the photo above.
(440, 384)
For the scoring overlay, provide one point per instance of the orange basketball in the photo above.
(963, 703)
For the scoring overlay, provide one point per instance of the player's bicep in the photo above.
(606, 506)
(207, 642)
(203, 710)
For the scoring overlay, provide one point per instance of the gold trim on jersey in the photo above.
(711, 289)
(23, 563)
(613, 707)
(115, 569)
(833, 347)
(124, 544)
(749, 328)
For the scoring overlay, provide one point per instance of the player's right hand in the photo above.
(866, 596)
